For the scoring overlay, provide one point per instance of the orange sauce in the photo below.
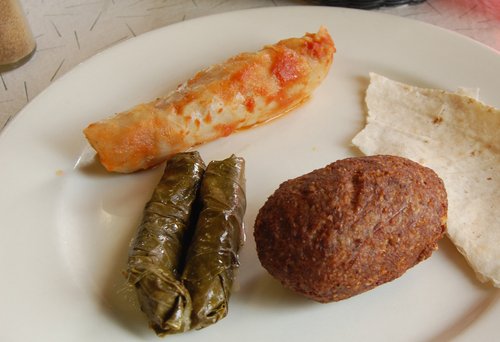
(286, 66)
(250, 104)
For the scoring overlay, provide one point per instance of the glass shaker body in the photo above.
(17, 44)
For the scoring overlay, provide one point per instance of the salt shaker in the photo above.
(17, 44)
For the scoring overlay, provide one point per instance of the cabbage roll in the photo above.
(245, 90)
(212, 257)
(157, 252)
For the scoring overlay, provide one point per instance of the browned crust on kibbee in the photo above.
(351, 226)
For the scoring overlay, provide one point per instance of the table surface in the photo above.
(68, 32)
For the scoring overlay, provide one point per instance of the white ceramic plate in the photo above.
(66, 223)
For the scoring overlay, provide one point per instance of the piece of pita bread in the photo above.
(458, 137)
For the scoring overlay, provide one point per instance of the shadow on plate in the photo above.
(94, 168)
(448, 249)
(491, 295)
(118, 298)
(266, 292)
(468, 318)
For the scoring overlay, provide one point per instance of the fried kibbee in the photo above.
(353, 225)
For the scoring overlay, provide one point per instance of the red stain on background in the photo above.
(489, 8)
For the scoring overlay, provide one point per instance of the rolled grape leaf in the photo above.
(212, 257)
(156, 254)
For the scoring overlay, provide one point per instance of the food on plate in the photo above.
(247, 89)
(155, 256)
(353, 225)
(183, 259)
(212, 257)
(458, 137)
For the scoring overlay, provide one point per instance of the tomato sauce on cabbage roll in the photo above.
(245, 90)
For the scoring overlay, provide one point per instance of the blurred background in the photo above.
(68, 32)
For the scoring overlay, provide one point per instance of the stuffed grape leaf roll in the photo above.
(212, 257)
(156, 254)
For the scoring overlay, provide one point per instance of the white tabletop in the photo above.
(68, 32)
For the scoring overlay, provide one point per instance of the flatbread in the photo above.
(458, 137)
